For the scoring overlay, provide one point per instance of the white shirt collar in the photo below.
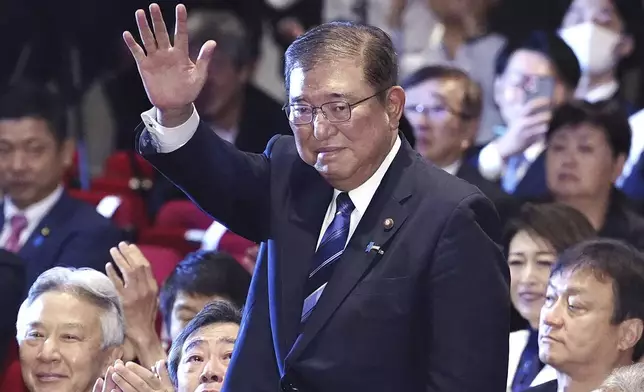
(452, 168)
(362, 195)
(35, 212)
(602, 92)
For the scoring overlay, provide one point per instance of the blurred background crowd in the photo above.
(537, 103)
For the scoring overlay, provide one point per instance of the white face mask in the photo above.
(593, 45)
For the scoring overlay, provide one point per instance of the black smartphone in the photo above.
(538, 87)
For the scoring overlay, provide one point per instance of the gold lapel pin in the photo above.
(45, 231)
(388, 223)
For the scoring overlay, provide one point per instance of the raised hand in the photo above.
(172, 81)
(138, 291)
(527, 129)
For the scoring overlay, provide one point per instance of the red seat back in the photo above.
(169, 237)
(129, 214)
(182, 214)
(11, 373)
(162, 259)
(121, 164)
(234, 245)
(12, 380)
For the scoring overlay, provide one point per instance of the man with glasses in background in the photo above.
(378, 271)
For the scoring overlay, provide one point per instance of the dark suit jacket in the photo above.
(12, 277)
(262, 118)
(430, 314)
(72, 234)
(622, 222)
(532, 185)
(506, 205)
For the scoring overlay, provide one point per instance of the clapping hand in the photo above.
(131, 377)
(171, 80)
(106, 384)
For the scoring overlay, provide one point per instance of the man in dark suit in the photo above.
(444, 107)
(593, 316)
(39, 221)
(377, 272)
(12, 290)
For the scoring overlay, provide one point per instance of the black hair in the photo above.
(31, 100)
(609, 116)
(618, 262)
(549, 45)
(205, 274)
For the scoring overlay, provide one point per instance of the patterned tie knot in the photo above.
(344, 205)
(18, 223)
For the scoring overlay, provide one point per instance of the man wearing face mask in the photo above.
(602, 33)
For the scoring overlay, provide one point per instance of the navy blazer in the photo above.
(431, 313)
(12, 275)
(72, 234)
(532, 184)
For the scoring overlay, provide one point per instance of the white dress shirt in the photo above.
(492, 167)
(34, 214)
(212, 236)
(361, 196)
(475, 57)
(518, 342)
(602, 92)
(452, 168)
(637, 145)
(167, 140)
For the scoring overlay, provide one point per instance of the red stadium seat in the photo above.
(127, 164)
(12, 380)
(125, 210)
(234, 245)
(162, 260)
(131, 186)
(169, 237)
(11, 375)
(182, 214)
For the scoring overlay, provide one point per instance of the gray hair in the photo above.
(227, 29)
(345, 40)
(625, 379)
(85, 283)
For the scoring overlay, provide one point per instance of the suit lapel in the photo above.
(533, 183)
(309, 197)
(357, 260)
(38, 239)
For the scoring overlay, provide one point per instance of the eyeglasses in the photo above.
(335, 111)
(436, 111)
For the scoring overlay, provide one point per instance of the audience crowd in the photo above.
(124, 278)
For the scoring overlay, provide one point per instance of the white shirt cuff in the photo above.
(280, 4)
(169, 139)
(491, 164)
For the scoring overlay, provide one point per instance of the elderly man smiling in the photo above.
(69, 329)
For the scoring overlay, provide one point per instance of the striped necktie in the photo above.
(511, 177)
(529, 365)
(328, 253)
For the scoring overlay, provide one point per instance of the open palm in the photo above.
(172, 81)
